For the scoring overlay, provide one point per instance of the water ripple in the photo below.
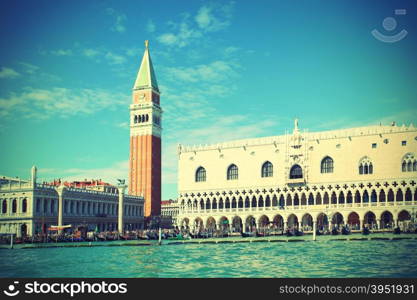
(323, 258)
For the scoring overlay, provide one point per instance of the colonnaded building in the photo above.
(363, 176)
(29, 207)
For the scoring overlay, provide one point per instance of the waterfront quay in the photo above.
(308, 237)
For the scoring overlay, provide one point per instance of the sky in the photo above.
(226, 71)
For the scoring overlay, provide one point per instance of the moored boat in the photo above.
(345, 231)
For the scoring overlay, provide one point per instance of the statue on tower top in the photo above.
(146, 44)
(295, 126)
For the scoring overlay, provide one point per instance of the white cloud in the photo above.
(213, 72)
(61, 52)
(63, 102)
(115, 59)
(150, 26)
(120, 19)
(124, 125)
(29, 68)
(167, 39)
(208, 19)
(110, 174)
(91, 52)
(8, 73)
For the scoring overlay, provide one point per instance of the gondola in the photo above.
(298, 233)
(335, 231)
(151, 236)
(318, 232)
(365, 231)
(248, 234)
(397, 230)
(289, 233)
(345, 231)
(100, 237)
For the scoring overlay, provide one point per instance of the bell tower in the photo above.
(145, 138)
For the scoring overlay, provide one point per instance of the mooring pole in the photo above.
(314, 231)
(11, 241)
(160, 236)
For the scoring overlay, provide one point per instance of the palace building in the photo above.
(145, 138)
(363, 176)
(29, 207)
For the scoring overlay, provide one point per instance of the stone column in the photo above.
(122, 188)
(378, 224)
(395, 222)
(60, 191)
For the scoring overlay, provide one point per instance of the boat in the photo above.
(318, 232)
(365, 231)
(152, 236)
(289, 233)
(248, 234)
(179, 237)
(298, 233)
(397, 230)
(335, 231)
(345, 231)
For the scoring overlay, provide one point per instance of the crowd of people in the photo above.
(185, 232)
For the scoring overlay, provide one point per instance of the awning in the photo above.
(53, 227)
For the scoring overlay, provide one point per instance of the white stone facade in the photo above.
(29, 208)
(366, 174)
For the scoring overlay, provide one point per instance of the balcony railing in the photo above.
(298, 207)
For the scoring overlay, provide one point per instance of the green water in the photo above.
(323, 258)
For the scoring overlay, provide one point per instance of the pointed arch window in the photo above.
(24, 205)
(14, 206)
(232, 172)
(366, 166)
(296, 172)
(4, 207)
(409, 163)
(200, 175)
(327, 165)
(267, 169)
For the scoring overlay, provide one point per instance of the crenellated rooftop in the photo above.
(310, 136)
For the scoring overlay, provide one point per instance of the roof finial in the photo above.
(146, 44)
(296, 125)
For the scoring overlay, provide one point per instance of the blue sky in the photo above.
(226, 70)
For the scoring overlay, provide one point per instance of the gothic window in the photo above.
(267, 169)
(24, 205)
(296, 172)
(327, 165)
(365, 166)
(146, 118)
(409, 163)
(200, 174)
(14, 206)
(232, 172)
(4, 207)
(45, 206)
(136, 119)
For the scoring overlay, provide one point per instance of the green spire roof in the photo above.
(146, 78)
